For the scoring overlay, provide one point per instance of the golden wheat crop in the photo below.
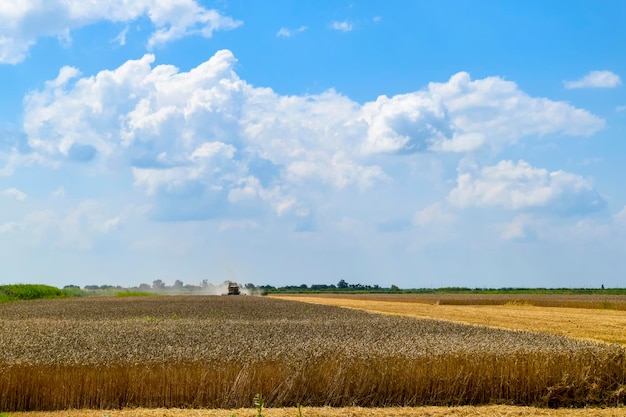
(193, 351)
(588, 301)
(601, 324)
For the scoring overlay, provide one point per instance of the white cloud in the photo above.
(210, 162)
(621, 108)
(520, 228)
(595, 79)
(460, 142)
(287, 33)
(84, 223)
(77, 226)
(7, 227)
(404, 123)
(15, 194)
(246, 189)
(177, 19)
(58, 193)
(530, 227)
(283, 33)
(344, 26)
(519, 185)
(494, 111)
(207, 134)
(462, 115)
(121, 37)
(434, 214)
(339, 171)
(23, 22)
(32, 228)
(349, 224)
(620, 217)
(65, 75)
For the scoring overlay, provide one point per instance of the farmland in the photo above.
(598, 317)
(428, 411)
(218, 352)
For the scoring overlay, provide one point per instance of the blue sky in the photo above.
(415, 143)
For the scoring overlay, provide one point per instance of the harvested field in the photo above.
(500, 311)
(589, 301)
(218, 352)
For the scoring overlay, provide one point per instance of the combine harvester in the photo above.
(233, 288)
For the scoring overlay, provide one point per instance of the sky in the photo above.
(412, 143)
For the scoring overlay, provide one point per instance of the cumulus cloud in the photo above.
(210, 137)
(595, 79)
(24, 21)
(201, 130)
(463, 115)
(288, 33)
(518, 186)
(344, 26)
(405, 123)
(495, 111)
(340, 171)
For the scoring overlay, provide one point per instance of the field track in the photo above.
(485, 411)
(583, 323)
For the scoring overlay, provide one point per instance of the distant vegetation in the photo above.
(18, 292)
(344, 287)
(133, 294)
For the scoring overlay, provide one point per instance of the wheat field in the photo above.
(594, 317)
(466, 411)
(218, 352)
